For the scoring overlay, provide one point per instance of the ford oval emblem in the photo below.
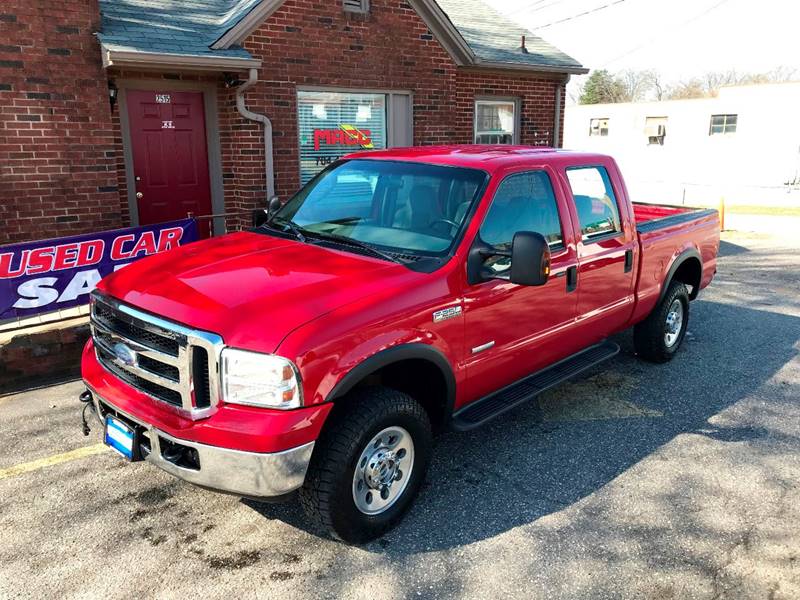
(125, 354)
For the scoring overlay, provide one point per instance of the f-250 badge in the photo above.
(446, 313)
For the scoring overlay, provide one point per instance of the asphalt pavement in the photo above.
(638, 481)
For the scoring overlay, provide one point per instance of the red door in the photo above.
(513, 330)
(170, 156)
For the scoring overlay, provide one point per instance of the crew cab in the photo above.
(398, 294)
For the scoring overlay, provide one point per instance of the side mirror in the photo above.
(274, 205)
(530, 259)
(261, 215)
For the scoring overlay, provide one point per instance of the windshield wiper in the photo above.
(293, 227)
(348, 241)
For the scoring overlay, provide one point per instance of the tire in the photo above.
(652, 337)
(331, 486)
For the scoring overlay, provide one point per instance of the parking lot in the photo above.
(640, 480)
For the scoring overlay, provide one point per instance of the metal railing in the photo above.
(222, 223)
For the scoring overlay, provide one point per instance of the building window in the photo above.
(495, 122)
(721, 124)
(598, 127)
(655, 128)
(332, 124)
(356, 6)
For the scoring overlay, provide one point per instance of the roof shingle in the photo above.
(186, 27)
(191, 27)
(495, 38)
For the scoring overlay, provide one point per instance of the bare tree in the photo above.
(636, 84)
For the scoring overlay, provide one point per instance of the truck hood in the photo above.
(250, 288)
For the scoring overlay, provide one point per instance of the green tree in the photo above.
(602, 87)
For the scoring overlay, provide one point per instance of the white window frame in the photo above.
(356, 6)
(725, 124)
(599, 129)
(489, 100)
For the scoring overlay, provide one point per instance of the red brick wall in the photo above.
(57, 173)
(61, 159)
(315, 43)
(537, 102)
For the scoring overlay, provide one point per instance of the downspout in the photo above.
(252, 79)
(557, 114)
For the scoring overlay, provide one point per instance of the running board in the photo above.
(481, 411)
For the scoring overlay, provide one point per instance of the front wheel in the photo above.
(659, 336)
(369, 464)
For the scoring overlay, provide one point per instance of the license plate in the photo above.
(119, 436)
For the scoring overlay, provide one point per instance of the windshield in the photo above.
(402, 207)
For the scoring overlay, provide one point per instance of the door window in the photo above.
(523, 202)
(595, 202)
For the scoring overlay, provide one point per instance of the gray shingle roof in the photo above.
(190, 27)
(495, 38)
(186, 27)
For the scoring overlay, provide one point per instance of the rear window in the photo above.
(595, 202)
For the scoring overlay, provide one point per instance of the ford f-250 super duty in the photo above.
(397, 294)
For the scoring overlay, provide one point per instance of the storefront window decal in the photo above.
(333, 124)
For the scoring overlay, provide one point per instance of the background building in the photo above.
(743, 144)
(210, 106)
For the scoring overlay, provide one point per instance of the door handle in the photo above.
(139, 195)
(628, 260)
(572, 278)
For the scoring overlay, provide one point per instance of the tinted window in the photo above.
(523, 202)
(594, 200)
(404, 207)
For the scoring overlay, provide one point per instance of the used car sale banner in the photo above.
(45, 275)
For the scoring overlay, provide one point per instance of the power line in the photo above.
(531, 8)
(667, 30)
(583, 14)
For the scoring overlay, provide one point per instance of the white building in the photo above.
(743, 145)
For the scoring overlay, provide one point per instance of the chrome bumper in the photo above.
(251, 474)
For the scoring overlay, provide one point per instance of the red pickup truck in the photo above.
(399, 293)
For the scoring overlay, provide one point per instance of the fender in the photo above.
(682, 258)
(396, 354)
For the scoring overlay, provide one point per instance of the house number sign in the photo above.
(163, 99)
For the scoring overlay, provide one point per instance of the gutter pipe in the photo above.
(241, 106)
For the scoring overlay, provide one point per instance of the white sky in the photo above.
(678, 38)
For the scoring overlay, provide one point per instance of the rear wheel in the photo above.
(368, 465)
(659, 336)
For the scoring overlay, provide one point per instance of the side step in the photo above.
(479, 412)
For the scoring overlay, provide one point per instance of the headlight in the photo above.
(257, 379)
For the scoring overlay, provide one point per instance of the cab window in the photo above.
(523, 202)
(595, 202)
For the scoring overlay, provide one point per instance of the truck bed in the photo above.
(650, 217)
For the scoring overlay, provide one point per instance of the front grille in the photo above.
(165, 360)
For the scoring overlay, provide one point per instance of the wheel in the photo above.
(659, 336)
(368, 464)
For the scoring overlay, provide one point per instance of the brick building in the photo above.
(132, 111)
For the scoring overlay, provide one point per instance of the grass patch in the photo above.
(751, 209)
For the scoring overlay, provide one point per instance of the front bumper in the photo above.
(250, 474)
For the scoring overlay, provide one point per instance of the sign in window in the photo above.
(333, 124)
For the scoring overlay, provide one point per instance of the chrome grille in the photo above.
(167, 361)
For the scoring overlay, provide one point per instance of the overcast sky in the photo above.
(679, 38)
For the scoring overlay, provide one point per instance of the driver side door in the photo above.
(513, 330)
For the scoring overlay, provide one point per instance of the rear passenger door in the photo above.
(606, 249)
(512, 330)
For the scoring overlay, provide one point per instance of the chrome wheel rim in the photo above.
(674, 323)
(383, 470)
